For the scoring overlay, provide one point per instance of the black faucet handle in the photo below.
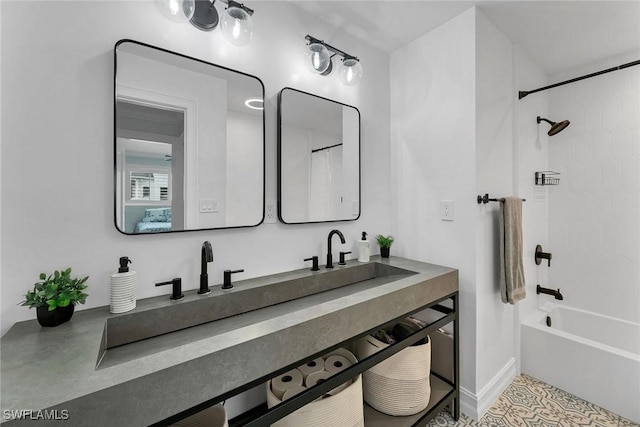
(176, 288)
(540, 255)
(227, 278)
(314, 259)
(342, 261)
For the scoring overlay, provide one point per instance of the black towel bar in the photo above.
(485, 199)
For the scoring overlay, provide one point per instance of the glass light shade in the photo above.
(317, 58)
(350, 71)
(237, 26)
(178, 10)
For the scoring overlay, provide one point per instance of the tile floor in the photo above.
(530, 402)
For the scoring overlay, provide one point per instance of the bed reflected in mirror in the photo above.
(189, 143)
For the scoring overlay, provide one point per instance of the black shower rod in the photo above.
(325, 148)
(523, 93)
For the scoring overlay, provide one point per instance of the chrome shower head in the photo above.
(556, 127)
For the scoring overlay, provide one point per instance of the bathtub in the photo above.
(592, 356)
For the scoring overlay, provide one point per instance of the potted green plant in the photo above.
(55, 296)
(385, 244)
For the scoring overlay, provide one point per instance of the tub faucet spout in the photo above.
(556, 293)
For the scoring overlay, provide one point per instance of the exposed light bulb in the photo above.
(178, 10)
(350, 71)
(236, 29)
(317, 58)
(237, 26)
(174, 7)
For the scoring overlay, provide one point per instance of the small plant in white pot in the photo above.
(55, 296)
(385, 243)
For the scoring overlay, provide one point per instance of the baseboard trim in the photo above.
(476, 405)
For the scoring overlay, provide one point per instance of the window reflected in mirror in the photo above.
(189, 142)
(149, 186)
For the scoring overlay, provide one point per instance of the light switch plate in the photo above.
(208, 206)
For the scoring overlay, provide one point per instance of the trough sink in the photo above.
(159, 316)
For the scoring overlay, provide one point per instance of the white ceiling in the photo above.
(558, 35)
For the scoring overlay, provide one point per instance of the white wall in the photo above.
(244, 164)
(350, 121)
(458, 130)
(531, 155)
(433, 135)
(296, 166)
(1, 159)
(594, 213)
(57, 104)
(495, 100)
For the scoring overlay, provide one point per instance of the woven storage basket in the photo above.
(398, 385)
(344, 409)
(215, 416)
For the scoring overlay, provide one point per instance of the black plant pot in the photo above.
(384, 252)
(56, 317)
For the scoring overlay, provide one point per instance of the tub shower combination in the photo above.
(590, 355)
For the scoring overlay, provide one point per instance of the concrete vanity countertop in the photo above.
(149, 380)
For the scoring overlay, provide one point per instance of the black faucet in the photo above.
(342, 261)
(207, 256)
(227, 278)
(314, 260)
(542, 255)
(556, 294)
(329, 256)
(176, 288)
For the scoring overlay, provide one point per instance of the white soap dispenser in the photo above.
(123, 288)
(363, 248)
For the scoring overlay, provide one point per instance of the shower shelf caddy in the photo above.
(547, 178)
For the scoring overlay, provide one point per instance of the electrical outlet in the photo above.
(270, 213)
(446, 210)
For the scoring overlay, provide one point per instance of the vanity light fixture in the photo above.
(178, 10)
(236, 23)
(318, 57)
(255, 103)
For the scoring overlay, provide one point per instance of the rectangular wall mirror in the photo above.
(318, 159)
(189, 143)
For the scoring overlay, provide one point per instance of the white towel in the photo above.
(512, 285)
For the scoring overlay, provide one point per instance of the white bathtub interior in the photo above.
(592, 356)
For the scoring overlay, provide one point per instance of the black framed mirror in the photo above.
(189, 143)
(318, 159)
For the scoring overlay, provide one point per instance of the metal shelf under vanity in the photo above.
(445, 389)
